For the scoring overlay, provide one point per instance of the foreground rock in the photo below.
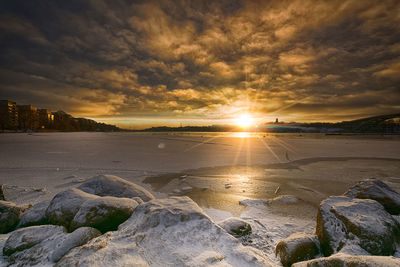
(26, 238)
(35, 215)
(77, 238)
(297, 247)
(74, 208)
(2, 197)
(104, 213)
(379, 191)
(166, 232)
(9, 216)
(343, 221)
(343, 260)
(44, 244)
(64, 206)
(110, 185)
(3, 259)
(236, 226)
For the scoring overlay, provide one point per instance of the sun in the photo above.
(244, 121)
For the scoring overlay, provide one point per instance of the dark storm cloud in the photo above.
(303, 59)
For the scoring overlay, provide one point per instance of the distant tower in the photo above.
(276, 121)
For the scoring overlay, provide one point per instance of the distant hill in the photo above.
(388, 124)
(211, 128)
(377, 124)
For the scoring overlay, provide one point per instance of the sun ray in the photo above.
(269, 148)
(202, 143)
(235, 159)
(248, 154)
(283, 144)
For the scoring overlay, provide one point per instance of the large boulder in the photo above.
(2, 197)
(363, 222)
(83, 255)
(26, 238)
(379, 191)
(9, 216)
(35, 215)
(65, 205)
(77, 238)
(166, 232)
(43, 245)
(343, 260)
(104, 213)
(297, 247)
(3, 259)
(110, 185)
(235, 226)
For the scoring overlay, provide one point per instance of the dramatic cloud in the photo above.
(202, 61)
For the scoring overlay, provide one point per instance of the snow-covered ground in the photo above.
(215, 170)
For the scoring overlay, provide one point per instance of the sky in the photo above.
(147, 63)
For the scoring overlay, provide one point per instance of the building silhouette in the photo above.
(28, 117)
(8, 115)
(46, 118)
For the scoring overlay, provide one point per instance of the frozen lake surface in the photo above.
(217, 170)
(57, 160)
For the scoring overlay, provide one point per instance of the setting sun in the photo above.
(244, 121)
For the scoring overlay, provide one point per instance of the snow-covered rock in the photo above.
(74, 208)
(77, 238)
(104, 213)
(3, 239)
(24, 207)
(28, 237)
(138, 200)
(297, 247)
(187, 189)
(43, 245)
(35, 215)
(110, 185)
(361, 222)
(2, 197)
(84, 255)
(379, 191)
(235, 226)
(65, 205)
(9, 216)
(348, 260)
(166, 232)
(176, 192)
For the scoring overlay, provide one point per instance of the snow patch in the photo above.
(253, 202)
(167, 232)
